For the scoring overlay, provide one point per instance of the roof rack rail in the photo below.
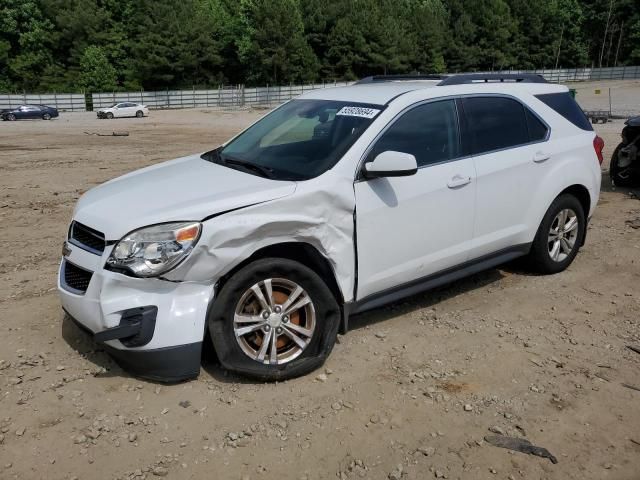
(491, 78)
(393, 78)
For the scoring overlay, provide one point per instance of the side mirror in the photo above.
(391, 164)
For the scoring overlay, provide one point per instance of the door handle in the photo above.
(458, 181)
(540, 157)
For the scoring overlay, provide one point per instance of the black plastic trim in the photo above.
(432, 281)
(467, 78)
(135, 329)
(87, 230)
(167, 364)
(388, 173)
(63, 278)
(395, 78)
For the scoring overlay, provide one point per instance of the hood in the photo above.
(188, 188)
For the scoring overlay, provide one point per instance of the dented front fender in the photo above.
(320, 213)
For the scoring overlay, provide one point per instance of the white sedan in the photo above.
(124, 109)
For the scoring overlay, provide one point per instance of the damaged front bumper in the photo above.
(153, 328)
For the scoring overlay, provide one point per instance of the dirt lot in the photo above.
(409, 393)
(625, 96)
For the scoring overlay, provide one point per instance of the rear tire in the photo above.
(559, 236)
(315, 323)
(620, 177)
(139, 114)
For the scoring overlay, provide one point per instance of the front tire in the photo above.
(274, 319)
(11, 117)
(109, 115)
(46, 116)
(621, 177)
(559, 236)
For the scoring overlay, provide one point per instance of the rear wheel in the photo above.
(139, 114)
(559, 236)
(275, 319)
(620, 176)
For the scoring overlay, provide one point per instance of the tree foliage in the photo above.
(96, 72)
(155, 44)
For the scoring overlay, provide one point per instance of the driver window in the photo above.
(429, 132)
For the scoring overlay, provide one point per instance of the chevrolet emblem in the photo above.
(66, 250)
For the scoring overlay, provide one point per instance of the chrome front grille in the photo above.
(86, 238)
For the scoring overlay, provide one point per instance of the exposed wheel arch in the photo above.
(302, 252)
(582, 194)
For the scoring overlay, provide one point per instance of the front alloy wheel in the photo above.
(563, 235)
(274, 321)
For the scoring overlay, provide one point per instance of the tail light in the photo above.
(598, 146)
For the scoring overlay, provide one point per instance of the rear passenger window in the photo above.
(495, 123)
(566, 106)
(537, 129)
(429, 132)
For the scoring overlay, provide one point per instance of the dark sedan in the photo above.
(29, 111)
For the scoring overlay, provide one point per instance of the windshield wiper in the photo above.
(259, 169)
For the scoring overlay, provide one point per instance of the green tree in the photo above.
(634, 36)
(548, 33)
(153, 44)
(272, 44)
(96, 72)
(369, 37)
(481, 35)
(427, 29)
(612, 27)
(25, 44)
(173, 45)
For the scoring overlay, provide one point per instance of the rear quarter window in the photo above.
(537, 129)
(566, 106)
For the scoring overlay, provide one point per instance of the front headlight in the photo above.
(152, 251)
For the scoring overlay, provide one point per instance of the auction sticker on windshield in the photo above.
(358, 112)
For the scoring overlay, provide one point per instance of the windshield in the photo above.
(300, 140)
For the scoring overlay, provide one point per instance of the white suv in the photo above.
(336, 202)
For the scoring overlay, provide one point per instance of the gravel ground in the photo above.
(409, 393)
(625, 96)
